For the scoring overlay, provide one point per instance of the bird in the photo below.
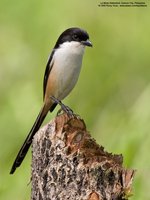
(61, 75)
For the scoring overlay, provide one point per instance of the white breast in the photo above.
(68, 61)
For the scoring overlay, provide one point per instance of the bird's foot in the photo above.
(64, 108)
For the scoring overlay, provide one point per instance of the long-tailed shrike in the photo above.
(61, 74)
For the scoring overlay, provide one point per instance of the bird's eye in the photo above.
(75, 37)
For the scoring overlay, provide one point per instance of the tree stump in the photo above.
(67, 164)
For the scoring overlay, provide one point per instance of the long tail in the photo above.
(25, 147)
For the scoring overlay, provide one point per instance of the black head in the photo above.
(74, 34)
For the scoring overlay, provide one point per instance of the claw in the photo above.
(65, 108)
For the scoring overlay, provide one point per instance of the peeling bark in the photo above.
(67, 164)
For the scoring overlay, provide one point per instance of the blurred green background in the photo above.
(112, 94)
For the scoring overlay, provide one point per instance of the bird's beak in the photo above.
(87, 43)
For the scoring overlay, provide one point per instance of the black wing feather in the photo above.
(47, 71)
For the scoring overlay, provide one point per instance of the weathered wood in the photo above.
(68, 164)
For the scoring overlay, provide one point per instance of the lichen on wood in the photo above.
(68, 164)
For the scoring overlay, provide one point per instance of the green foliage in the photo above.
(112, 93)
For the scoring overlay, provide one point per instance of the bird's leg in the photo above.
(65, 108)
